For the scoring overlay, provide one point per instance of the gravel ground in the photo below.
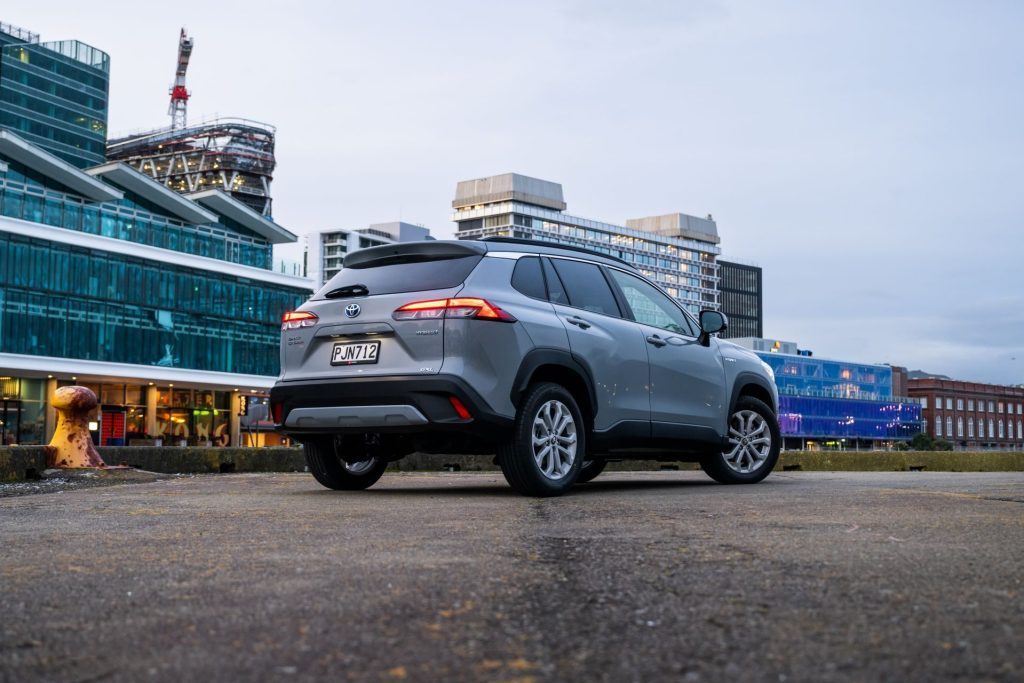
(660, 576)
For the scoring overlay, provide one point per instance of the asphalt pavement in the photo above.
(660, 576)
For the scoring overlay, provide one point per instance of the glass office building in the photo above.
(54, 95)
(676, 250)
(825, 403)
(742, 299)
(164, 304)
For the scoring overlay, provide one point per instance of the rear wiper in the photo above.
(345, 292)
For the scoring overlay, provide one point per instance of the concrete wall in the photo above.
(18, 462)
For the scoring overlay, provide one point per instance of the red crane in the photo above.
(179, 95)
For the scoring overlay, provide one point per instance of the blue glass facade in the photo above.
(67, 302)
(126, 305)
(31, 197)
(809, 376)
(54, 95)
(829, 399)
(820, 418)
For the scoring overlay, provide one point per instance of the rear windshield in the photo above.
(415, 276)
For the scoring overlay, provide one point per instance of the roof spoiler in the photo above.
(412, 252)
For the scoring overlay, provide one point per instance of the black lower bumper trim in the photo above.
(429, 394)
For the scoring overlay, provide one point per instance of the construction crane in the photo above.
(179, 95)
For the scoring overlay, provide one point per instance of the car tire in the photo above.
(590, 469)
(545, 453)
(330, 469)
(755, 440)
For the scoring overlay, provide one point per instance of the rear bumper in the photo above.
(388, 405)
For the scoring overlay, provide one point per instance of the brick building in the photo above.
(971, 415)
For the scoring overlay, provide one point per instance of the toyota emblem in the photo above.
(352, 310)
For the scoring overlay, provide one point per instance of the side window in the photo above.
(650, 306)
(528, 278)
(586, 287)
(556, 293)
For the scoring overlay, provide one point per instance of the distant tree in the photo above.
(901, 446)
(922, 442)
(943, 445)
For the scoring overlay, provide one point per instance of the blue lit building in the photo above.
(826, 403)
(165, 304)
(54, 95)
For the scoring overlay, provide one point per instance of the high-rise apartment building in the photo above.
(741, 298)
(677, 251)
(325, 251)
(54, 95)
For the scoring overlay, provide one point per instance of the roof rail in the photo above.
(556, 245)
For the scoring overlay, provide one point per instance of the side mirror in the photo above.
(710, 323)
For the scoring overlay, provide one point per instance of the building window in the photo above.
(970, 404)
(949, 427)
(924, 402)
(1001, 432)
(1020, 430)
(1000, 407)
(991, 428)
(970, 428)
(959, 404)
(991, 407)
(960, 427)
(949, 403)
(938, 426)
(938, 402)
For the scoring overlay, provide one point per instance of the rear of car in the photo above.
(367, 353)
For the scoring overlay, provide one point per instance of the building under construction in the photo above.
(234, 155)
(229, 154)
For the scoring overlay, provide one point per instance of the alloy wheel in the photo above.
(751, 441)
(554, 440)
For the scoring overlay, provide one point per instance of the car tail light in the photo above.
(479, 309)
(293, 320)
(463, 412)
(277, 411)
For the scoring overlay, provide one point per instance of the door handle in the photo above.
(655, 340)
(579, 322)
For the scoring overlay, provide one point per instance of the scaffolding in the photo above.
(230, 154)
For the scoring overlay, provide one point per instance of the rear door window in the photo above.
(586, 286)
(415, 276)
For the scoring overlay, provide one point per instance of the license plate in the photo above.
(355, 353)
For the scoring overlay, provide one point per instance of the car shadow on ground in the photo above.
(499, 488)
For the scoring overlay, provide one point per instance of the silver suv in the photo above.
(558, 359)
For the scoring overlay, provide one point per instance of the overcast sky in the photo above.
(868, 155)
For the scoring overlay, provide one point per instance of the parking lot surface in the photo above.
(441, 577)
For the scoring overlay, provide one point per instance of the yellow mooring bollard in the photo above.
(71, 446)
